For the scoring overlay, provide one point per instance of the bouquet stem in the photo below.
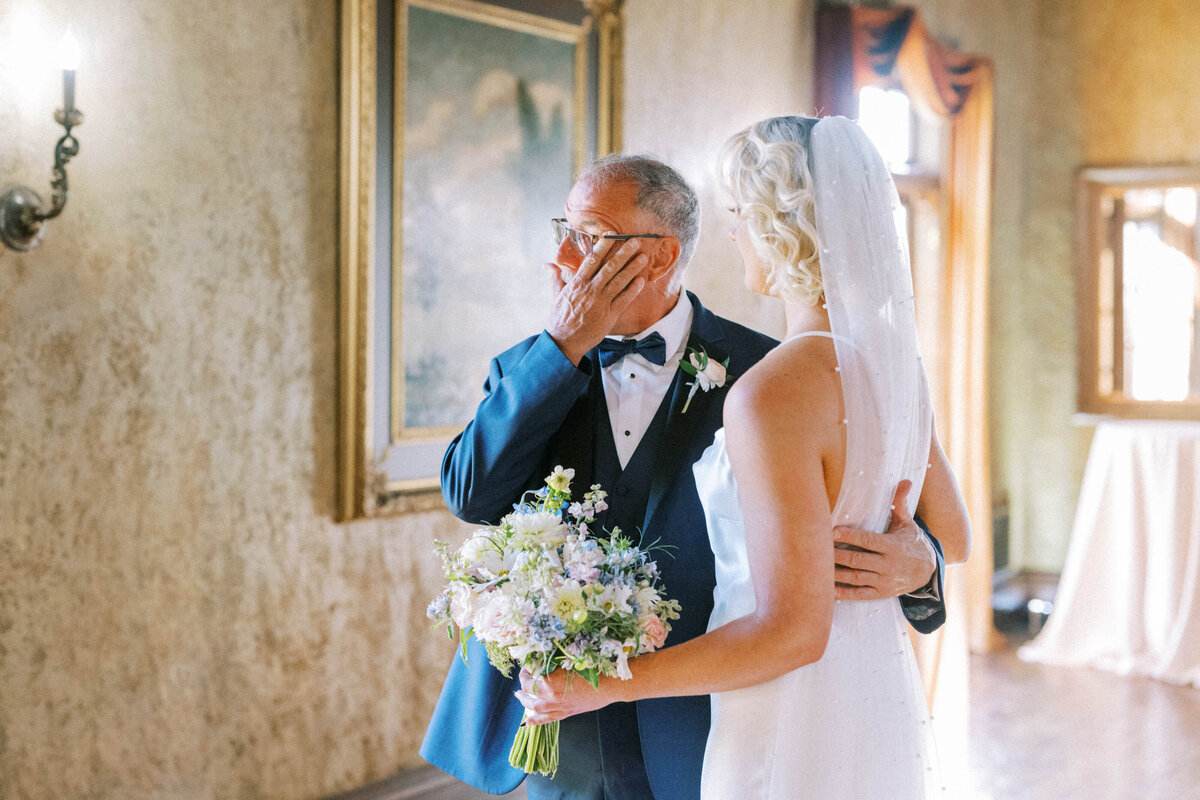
(535, 749)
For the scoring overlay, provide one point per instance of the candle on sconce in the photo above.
(23, 213)
(68, 55)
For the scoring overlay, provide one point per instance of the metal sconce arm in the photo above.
(23, 213)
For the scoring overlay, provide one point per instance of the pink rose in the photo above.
(654, 635)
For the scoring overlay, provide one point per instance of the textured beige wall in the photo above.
(1037, 454)
(179, 616)
(1139, 89)
(695, 74)
(1040, 454)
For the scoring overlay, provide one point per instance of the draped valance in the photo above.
(860, 47)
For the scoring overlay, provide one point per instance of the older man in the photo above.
(600, 391)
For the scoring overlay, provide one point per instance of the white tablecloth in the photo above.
(1129, 597)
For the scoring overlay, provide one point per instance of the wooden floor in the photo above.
(1054, 733)
(1039, 733)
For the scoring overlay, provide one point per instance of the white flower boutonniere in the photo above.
(708, 374)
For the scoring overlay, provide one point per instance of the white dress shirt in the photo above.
(634, 388)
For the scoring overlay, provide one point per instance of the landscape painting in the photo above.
(488, 153)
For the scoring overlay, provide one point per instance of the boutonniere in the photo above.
(708, 373)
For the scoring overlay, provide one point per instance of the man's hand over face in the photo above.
(589, 300)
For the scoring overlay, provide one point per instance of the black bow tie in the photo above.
(652, 348)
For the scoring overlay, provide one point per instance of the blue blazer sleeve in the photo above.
(529, 391)
(927, 614)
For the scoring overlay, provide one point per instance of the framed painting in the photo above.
(462, 125)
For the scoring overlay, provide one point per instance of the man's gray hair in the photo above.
(660, 190)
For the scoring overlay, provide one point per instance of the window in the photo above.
(1139, 343)
(913, 144)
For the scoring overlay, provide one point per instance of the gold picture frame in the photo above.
(418, 77)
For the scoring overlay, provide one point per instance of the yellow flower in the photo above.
(560, 479)
(570, 606)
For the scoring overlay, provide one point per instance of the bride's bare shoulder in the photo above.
(796, 382)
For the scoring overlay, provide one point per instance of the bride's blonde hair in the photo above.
(766, 170)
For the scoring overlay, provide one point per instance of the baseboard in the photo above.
(1002, 577)
(1022, 601)
(1029, 583)
(422, 783)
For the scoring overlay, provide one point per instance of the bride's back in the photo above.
(799, 385)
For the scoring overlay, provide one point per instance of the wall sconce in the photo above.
(23, 214)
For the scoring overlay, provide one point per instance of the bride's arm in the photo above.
(782, 427)
(942, 507)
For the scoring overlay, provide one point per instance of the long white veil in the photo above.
(869, 295)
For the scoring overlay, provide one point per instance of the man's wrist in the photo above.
(569, 349)
(932, 590)
(572, 354)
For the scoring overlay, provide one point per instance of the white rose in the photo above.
(712, 376)
(463, 604)
(493, 621)
(482, 556)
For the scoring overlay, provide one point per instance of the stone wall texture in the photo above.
(180, 617)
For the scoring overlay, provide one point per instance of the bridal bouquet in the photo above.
(541, 590)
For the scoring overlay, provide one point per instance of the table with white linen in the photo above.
(1129, 597)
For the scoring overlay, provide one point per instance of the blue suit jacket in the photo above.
(537, 414)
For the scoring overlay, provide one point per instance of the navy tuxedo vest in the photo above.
(628, 488)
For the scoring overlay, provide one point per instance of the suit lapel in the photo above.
(685, 430)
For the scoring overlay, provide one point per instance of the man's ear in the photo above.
(665, 256)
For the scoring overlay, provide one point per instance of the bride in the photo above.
(811, 697)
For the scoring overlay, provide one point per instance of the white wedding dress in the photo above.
(855, 724)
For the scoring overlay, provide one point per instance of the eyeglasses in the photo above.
(583, 242)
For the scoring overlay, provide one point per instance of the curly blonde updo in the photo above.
(766, 170)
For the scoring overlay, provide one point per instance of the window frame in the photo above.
(1098, 332)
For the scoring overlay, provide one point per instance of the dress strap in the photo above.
(825, 334)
